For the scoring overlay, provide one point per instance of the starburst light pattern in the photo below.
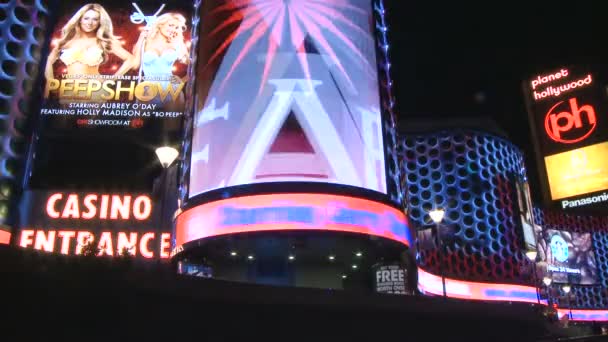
(290, 22)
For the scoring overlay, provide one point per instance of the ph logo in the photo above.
(559, 248)
(570, 121)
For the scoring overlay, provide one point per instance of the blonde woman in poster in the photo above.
(163, 45)
(86, 42)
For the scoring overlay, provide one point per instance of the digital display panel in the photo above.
(584, 315)
(285, 212)
(570, 258)
(287, 91)
(567, 112)
(525, 213)
(117, 65)
(432, 284)
(578, 171)
(115, 223)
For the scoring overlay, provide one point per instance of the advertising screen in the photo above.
(579, 171)
(570, 257)
(287, 91)
(568, 115)
(115, 223)
(525, 213)
(117, 65)
(291, 212)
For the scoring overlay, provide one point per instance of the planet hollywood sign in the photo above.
(115, 223)
(566, 110)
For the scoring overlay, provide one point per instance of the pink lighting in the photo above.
(431, 284)
(5, 237)
(281, 212)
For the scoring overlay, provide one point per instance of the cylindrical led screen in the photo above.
(287, 91)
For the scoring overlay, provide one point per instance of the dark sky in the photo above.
(460, 58)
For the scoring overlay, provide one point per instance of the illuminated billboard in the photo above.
(570, 258)
(526, 215)
(567, 111)
(64, 222)
(579, 171)
(291, 212)
(391, 279)
(117, 65)
(431, 284)
(287, 91)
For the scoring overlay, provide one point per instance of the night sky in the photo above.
(462, 59)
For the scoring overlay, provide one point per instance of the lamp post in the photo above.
(437, 216)
(547, 281)
(166, 155)
(566, 288)
(531, 255)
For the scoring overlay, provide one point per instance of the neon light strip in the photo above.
(584, 315)
(5, 237)
(431, 284)
(284, 212)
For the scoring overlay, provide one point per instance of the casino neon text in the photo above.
(70, 242)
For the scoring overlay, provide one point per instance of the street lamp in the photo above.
(437, 216)
(166, 155)
(531, 255)
(547, 280)
(566, 288)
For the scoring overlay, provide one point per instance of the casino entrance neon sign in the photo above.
(70, 242)
(570, 121)
(112, 222)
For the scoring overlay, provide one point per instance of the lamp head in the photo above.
(437, 215)
(166, 155)
(566, 288)
(547, 280)
(531, 255)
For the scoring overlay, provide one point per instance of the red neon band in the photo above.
(326, 213)
(5, 237)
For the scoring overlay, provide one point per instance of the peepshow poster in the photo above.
(117, 64)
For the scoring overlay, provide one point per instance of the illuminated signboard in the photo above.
(5, 237)
(62, 222)
(283, 212)
(525, 212)
(117, 64)
(432, 284)
(579, 171)
(584, 315)
(391, 279)
(569, 118)
(570, 258)
(287, 91)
